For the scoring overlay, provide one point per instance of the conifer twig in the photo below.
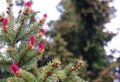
(8, 35)
(74, 68)
(48, 73)
(23, 55)
(30, 58)
(27, 33)
(9, 12)
(19, 29)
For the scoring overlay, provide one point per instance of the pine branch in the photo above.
(23, 76)
(27, 76)
(34, 70)
(71, 72)
(34, 56)
(22, 20)
(8, 36)
(12, 52)
(4, 63)
(49, 70)
(23, 55)
(15, 79)
(9, 12)
(20, 27)
(27, 33)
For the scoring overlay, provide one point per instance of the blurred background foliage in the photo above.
(78, 34)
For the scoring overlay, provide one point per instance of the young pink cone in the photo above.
(41, 48)
(43, 19)
(15, 69)
(31, 42)
(5, 24)
(28, 6)
(45, 16)
(42, 32)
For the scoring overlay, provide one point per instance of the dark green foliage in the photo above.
(81, 28)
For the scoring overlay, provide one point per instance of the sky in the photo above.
(44, 6)
(112, 26)
(49, 7)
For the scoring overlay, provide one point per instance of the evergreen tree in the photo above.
(81, 28)
(22, 40)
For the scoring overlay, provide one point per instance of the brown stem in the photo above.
(9, 11)
(74, 69)
(34, 27)
(8, 35)
(21, 24)
(49, 73)
(19, 29)
(20, 60)
(30, 58)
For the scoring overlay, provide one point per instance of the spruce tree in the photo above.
(24, 46)
(81, 27)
